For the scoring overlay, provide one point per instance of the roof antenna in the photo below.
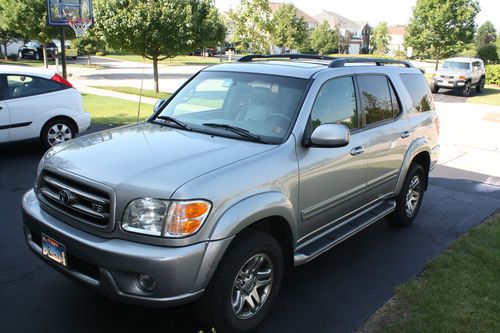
(140, 92)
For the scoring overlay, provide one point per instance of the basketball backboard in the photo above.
(60, 12)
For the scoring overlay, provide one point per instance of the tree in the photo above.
(485, 34)
(252, 25)
(380, 38)
(290, 29)
(211, 29)
(91, 42)
(28, 18)
(156, 29)
(324, 39)
(488, 53)
(343, 41)
(441, 27)
(6, 37)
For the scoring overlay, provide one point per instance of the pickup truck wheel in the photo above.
(410, 198)
(480, 86)
(245, 284)
(466, 90)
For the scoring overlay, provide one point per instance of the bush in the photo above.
(488, 53)
(400, 54)
(100, 53)
(12, 57)
(469, 51)
(493, 74)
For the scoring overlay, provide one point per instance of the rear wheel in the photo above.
(410, 198)
(480, 86)
(245, 285)
(57, 131)
(466, 90)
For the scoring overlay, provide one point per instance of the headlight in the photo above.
(165, 218)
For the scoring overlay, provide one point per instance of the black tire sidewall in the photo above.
(480, 86)
(216, 303)
(45, 130)
(466, 92)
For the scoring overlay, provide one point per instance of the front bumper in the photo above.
(448, 83)
(112, 266)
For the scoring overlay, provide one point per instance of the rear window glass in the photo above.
(419, 91)
(24, 86)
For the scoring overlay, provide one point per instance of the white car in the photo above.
(39, 103)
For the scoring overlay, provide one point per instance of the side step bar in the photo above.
(342, 232)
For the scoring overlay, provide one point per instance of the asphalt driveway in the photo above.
(334, 293)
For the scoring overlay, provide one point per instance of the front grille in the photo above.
(447, 76)
(79, 201)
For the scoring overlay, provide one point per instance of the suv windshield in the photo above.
(456, 65)
(254, 107)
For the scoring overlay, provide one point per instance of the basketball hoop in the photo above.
(80, 26)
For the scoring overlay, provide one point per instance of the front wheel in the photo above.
(466, 89)
(480, 86)
(245, 285)
(57, 131)
(434, 89)
(410, 198)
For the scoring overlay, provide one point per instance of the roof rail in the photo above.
(250, 57)
(341, 62)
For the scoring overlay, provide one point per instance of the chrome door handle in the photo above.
(357, 150)
(405, 134)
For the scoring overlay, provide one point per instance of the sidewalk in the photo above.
(108, 93)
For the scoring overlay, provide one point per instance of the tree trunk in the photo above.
(2, 55)
(44, 53)
(437, 63)
(155, 74)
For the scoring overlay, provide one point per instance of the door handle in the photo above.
(405, 134)
(357, 150)
(1, 107)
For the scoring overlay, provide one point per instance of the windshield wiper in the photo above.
(175, 121)
(237, 130)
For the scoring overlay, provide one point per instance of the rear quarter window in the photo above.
(419, 90)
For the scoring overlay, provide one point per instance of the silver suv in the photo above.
(460, 74)
(249, 169)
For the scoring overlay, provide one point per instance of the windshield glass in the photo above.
(263, 105)
(456, 65)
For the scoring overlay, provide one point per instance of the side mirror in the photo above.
(330, 136)
(159, 104)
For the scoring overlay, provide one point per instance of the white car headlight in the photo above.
(165, 218)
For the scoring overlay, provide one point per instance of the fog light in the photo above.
(147, 282)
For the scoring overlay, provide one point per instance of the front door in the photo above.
(332, 180)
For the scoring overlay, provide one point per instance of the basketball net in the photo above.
(80, 26)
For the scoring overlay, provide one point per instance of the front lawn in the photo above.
(176, 61)
(491, 95)
(458, 291)
(107, 110)
(136, 91)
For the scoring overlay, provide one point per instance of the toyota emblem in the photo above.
(65, 196)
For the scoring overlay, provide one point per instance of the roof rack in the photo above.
(341, 62)
(250, 57)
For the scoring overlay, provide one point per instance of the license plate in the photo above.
(54, 250)
(446, 82)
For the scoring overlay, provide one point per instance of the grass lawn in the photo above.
(136, 91)
(491, 95)
(39, 63)
(458, 291)
(177, 61)
(106, 110)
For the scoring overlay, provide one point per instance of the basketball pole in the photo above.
(63, 54)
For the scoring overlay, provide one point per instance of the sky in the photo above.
(375, 11)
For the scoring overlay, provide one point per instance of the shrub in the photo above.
(100, 53)
(493, 74)
(12, 57)
(488, 53)
(400, 54)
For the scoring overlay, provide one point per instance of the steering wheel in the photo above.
(280, 116)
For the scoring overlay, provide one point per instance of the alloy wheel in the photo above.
(59, 133)
(413, 195)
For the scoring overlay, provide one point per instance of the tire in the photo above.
(480, 86)
(57, 131)
(465, 91)
(37, 56)
(215, 308)
(412, 190)
(434, 89)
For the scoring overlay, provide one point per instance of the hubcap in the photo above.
(252, 286)
(58, 134)
(413, 195)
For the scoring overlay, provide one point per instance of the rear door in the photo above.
(4, 112)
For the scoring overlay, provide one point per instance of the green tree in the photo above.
(343, 41)
(6, 37)
(380, 38)
(441, 27)
(28, 18)
(211, 29)
(485, 34)
(252, 25)
(156, 29)
(290, 29)
(488, 53)
(324, 39)
(90, 43)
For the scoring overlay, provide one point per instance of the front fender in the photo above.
(252, 209)
(421, 144)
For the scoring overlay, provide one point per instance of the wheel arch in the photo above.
(419, 151)
(69, 119)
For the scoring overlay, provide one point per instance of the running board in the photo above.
(342, 232)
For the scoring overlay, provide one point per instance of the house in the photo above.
(311, 22)
(396, 39)
(359, 31)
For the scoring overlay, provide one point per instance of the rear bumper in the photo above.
(111, 266)
(83, 121)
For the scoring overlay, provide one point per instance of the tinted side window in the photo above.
(419, 91)
(335, 104)
(23, 86)
(376, 100)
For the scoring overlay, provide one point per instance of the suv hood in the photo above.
(148, 159)
(454, 72)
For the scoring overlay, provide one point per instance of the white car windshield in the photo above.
(456, 65)
(254, 104)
